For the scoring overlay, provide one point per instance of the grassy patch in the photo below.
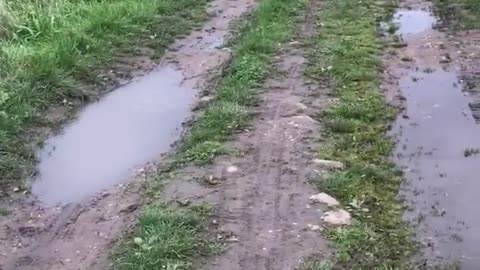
(348, 42)
(53, 51)
(165, 239)
(459, 14)
(176, 233)
(259, 37)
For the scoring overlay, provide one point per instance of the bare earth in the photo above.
(261, 200)
(81, 235)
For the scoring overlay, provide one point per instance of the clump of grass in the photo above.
(459, 14)
(468, 152)
(165, 238)
(315, 264)
(4, 211)
(55, 50)
(357, 126)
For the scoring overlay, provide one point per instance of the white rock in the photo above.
(324, 198)
(329, 163)
(232, 169)
(337, 217)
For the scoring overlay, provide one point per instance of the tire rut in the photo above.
(264, 202)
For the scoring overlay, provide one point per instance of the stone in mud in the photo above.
(330, 164)
(232, 169)
(337, 217)
(325, 199)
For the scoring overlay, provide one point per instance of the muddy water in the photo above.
(125, 129)
(432, 135)
(137, 123)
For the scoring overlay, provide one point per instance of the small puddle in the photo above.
(412, 22)
(432, 136)
(127, 128)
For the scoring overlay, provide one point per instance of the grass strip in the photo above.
(459, 14)
(165, 239)
(176, 242)
(346, 53)
(56, 50)
(259, 37)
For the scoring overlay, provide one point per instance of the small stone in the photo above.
(212, 180)
(337, 217)
(232, 169)
(325, 199)
(332, 164)
(185, 202)
(232, 239)
(314, 227)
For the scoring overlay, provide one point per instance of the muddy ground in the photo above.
(434, 78)
(261, 196)
(81, 233)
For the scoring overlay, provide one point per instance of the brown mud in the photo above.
(81, 231)
(261, 195)
(434, 134)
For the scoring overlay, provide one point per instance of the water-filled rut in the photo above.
(437, 141)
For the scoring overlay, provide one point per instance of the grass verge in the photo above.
(53, 51)
(459, 14)
(259, 37)
(346, 53)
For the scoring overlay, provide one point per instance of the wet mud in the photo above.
(261, 197)
(437, 140)
(90, 175)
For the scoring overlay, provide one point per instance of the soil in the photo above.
(430, 79)
(80, 235)
(261, 195)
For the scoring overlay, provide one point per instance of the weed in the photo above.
(357, 124)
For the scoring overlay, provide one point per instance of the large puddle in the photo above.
(411, 22)
(437, 143)
(128, 127)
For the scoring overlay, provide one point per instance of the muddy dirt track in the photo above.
(81, 234)
(261, 196)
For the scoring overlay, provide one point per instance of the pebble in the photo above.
(332, 164)
(325, 199)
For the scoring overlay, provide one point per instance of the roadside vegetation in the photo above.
(258, 37)
(56, 53)
(460, 14)
(346, 54)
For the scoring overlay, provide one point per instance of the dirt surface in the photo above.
(433, 132)
(261, 195)
(81, 234)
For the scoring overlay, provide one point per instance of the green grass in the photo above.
(177, 233)
(165, 239)
(356, 134)
(55, 50)
(459, 14)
